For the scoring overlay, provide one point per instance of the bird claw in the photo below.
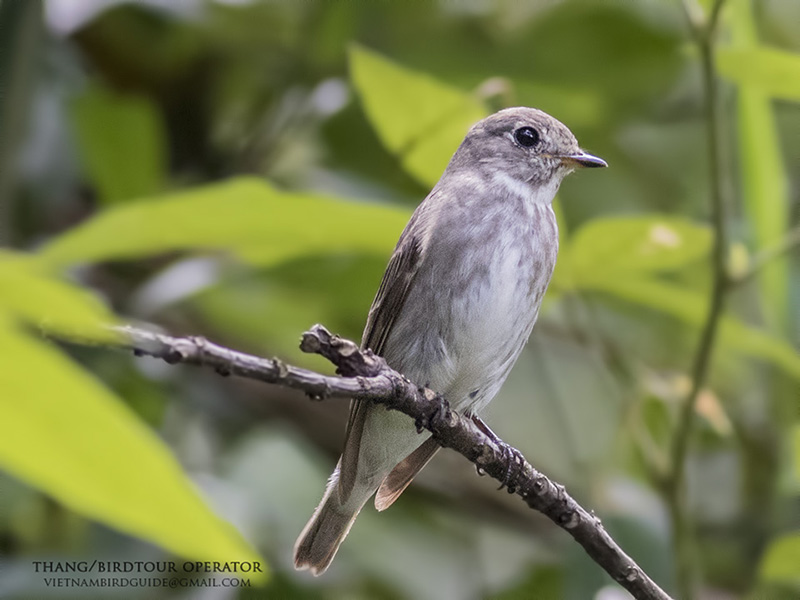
(421, 423)
(512, 456)
(515, 463)
(438, 412)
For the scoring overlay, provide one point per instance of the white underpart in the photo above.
(539, 194)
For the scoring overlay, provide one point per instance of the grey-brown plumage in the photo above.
(456, 305)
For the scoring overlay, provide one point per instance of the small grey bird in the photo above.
(455, 307)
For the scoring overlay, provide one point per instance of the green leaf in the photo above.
(37, 298)
(65, 434)
(775, 73)
(765, 191)
(781, 561)
(634, 244)
(691, 307)
(418, 118)
(761, 73)
(244, 215)
(267, 309)
(122, 143)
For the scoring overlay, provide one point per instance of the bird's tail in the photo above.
(325, 532)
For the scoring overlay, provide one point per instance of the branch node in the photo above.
(318, 396)
(350, 360)
(569, 520)
(283, 370)
(310, 343)
(199, 346)
(173, 356)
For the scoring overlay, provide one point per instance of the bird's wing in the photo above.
(399, 478)
(386, 307)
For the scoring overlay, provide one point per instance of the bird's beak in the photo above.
(584, 159)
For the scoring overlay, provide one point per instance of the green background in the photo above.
(242, 170)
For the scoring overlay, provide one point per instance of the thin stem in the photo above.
(20, 32)
(675, 485)
(713, 18)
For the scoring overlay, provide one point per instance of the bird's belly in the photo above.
(491, 324)
(467, 337)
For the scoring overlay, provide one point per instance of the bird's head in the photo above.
(523, 147)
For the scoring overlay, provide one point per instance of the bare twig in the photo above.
(366, 376)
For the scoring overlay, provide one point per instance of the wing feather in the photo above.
(400, 477)
(392, 294)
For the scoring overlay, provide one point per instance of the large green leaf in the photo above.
(614, 246)
(65, 434)
(775, 73)
(417, 117)
(244, 215)
(122, 143)
(781, 561)
(39, 299)
(691, 307)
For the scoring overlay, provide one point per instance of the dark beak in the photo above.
(585, 159)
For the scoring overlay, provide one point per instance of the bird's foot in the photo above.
(513, 456)
(439, 411)
(516, 463)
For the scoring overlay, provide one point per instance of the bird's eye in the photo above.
(526, 136)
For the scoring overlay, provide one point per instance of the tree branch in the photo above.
(365, 376)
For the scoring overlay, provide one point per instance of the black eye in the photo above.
(526, 136)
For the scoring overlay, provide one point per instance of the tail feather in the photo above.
(401, 476)
(355, 480)
(324, 533)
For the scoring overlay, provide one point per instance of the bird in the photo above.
(455, 307)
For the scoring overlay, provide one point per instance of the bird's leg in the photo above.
(514, 456)
(439, 410)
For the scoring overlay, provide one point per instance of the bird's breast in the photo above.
(475, 302)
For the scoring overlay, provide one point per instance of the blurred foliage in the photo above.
(90, 452)
(762, 74)
(417, 117)
(96, 457)
(257, 223)
(31, 296)
(605, 248)
(781, 560)
(122, 143)
(242, 170)
(774, 72)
